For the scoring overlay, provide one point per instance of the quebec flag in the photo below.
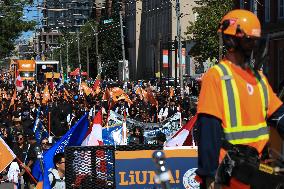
(73, 137)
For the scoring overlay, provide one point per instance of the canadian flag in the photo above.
(19, 81)
(94, 138)
(184, 136)
(94, 135)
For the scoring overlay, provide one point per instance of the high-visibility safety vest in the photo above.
(235, 131)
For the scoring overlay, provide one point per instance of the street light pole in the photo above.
(99, 65)
(61, 67)
(96, 33)
(88, 62)
(79, 59)
(78, 49)
(124, 75)
(67, 59)
(179, 45)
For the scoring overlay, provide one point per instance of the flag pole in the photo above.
(124, 130)
(27, 171)
(108, 112)
(48, 123)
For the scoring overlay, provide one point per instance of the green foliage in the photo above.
(110, 43)
(109, 46)
(204, 30)
(12, 24)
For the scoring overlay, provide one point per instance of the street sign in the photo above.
(108, 21)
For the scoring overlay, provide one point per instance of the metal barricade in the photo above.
(94, 166)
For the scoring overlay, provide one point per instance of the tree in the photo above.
(12, 25)
(86, 41)
(204, 30)
(109, 45)
(110, 42)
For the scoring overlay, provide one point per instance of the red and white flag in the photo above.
(94, 136)
(19, 82)
(184, 136)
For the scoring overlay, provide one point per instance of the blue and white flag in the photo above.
(40, 132)
(112, 135)
(73, 137)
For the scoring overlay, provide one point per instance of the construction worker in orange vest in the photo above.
(235, 104)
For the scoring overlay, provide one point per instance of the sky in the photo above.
(31, 13)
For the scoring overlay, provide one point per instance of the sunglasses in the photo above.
(44, 143)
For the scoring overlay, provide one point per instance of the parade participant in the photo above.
(57, 175)
(23, 151)
(45, 145)
(234, 106)
(161, 138)
(138, 135)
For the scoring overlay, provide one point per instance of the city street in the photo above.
(141, 94)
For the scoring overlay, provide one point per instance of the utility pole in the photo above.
(61, 68)
(160, 56)
(99, 64)
(79, 59)
(98, 58)
(176, 59)
(38, 31)
(78, 49)
(88, 62)
(179, 45)
(67, 58)
(124, 67)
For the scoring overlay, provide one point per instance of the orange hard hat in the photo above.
(240, 23)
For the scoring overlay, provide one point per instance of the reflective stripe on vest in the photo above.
(235, 131)
(264, 96)
(231, 97)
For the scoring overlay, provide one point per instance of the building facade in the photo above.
(151, 30)
(60, 17)
(271, 15)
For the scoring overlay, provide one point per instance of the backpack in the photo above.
(52, 184)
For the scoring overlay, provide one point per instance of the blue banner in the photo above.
(136, 169)
(73, 137)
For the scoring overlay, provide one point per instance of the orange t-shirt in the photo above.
(211, 97)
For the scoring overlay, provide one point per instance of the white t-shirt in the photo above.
(59, 182)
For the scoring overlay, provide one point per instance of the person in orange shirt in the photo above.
(235, 104)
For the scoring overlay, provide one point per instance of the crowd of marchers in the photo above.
(60, 104)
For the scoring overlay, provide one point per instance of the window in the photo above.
(242, 5)
(281, 9)
(267, 10)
